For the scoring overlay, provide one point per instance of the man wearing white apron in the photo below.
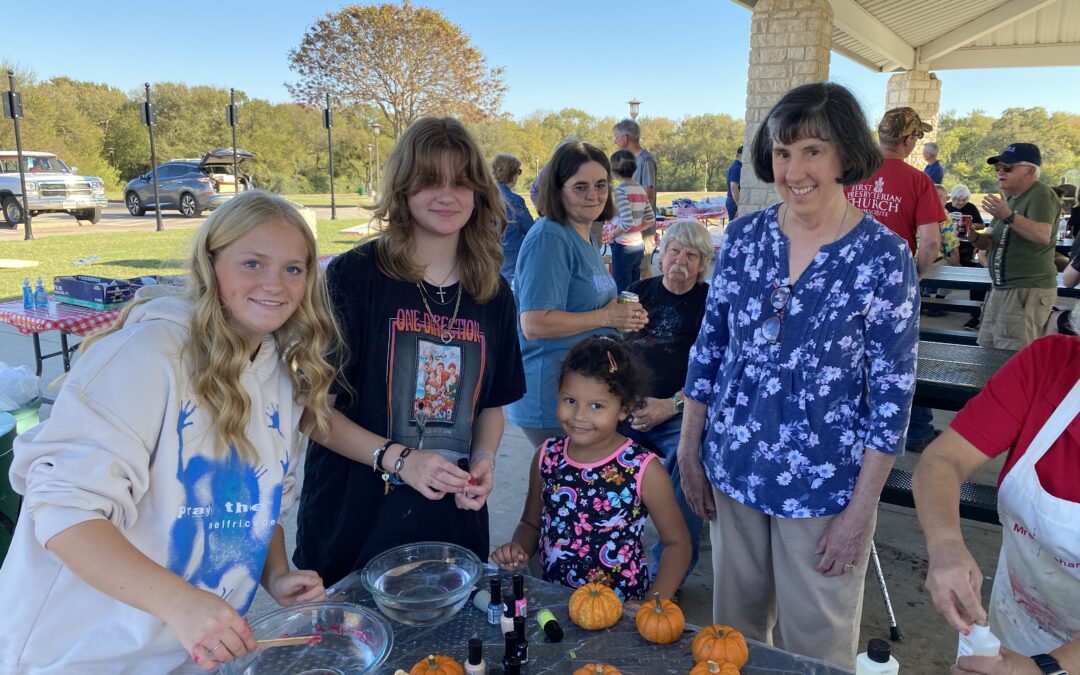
(1029, 408)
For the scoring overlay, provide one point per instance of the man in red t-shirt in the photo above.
(900, 196)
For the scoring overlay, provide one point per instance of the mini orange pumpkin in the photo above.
(720, 643)
(595, 606)
(660, 621)
(437, 664)
(715, 668)
(597, 669)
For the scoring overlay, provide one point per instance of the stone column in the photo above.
(790, 45)
(921, 91)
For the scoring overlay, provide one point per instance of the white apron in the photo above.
(1035, 602)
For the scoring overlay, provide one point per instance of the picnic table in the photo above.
(68, 319)
(620, 645)
(974, 279)
(1064, 246)
(948, 375)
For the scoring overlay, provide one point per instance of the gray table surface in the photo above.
(974, 279)
(620, 645)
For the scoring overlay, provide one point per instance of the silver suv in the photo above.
(189, 185)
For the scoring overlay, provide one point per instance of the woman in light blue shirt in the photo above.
(563, 288)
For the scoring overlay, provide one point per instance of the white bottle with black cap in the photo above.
(876, 660)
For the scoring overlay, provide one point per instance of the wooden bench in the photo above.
(971, 307)
(978, 501)
(949, 336)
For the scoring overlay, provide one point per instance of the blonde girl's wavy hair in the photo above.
(217, 354)
(420, 159)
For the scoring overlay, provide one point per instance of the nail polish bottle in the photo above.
(549, 625)
(522, 642)
(510, 649)
(520, 603)
(506, 622)
(475, 664)
(494, 608)
(513, 667)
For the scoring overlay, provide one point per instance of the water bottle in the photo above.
(979, 642)
(876, 660)
(41, 298)
(27, 294)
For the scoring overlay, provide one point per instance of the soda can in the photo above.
(965, 226)
(626, 297)
(957, 220)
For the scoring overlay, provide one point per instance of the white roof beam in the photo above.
(860, 24)
(861, 60)
(973, 30)
(1010, 57)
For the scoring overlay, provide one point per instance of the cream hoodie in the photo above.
(127, 441)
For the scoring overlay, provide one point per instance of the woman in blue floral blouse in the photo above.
(800, 384)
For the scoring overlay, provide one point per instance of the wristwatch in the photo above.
(678, 400)
(1008, 220)
(1048, 664)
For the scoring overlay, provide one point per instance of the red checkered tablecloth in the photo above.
(59, 316)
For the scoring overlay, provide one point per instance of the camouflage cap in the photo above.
(901, 122)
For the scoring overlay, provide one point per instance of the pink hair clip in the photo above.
(613, 366)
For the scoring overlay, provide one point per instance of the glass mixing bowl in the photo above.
(422, 584)
(352, 639)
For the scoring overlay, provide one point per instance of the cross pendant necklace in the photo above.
(442, 295)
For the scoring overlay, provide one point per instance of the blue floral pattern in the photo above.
(593, 519)
(788, 422)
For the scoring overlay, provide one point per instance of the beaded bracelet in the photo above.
(376, 464)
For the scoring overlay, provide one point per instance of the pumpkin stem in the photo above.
(659, 609)
(431, 661)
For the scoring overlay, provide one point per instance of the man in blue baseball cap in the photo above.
(1021, 246)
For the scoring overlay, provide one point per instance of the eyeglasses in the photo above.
(770, 328)
(583, 189)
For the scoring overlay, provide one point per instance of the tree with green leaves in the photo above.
(406, 61)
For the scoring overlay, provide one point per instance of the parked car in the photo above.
(51, 187)
(190, 186)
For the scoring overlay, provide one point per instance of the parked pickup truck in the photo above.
(51, 187)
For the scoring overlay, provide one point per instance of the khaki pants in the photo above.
(764, 581)
(1012, 318)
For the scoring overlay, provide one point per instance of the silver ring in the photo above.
(849, 566)
(214, 649)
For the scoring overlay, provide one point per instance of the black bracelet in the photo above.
(400, 463)
(376, 464)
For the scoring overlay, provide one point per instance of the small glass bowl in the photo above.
(422, 584)
(352, 639)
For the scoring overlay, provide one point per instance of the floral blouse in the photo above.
(593, 519)
(788, 422)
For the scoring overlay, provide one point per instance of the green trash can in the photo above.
(26, 416)
(9, 500)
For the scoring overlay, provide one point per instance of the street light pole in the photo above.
(634, 105)
(230, 115)
(328, 122)
(13, 111)
(150, 120)
(370, 149)
(376, 129)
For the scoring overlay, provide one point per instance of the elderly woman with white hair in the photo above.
(675, 302)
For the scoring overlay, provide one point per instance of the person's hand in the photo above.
(653, 411)
(482, 481)
(1007, 662)
(625, 316)
(996, 206)
(293, 588)
(431, 474)
(695, 484)
(209, 628)
(843, 544)
(955, 585)
(510, 557)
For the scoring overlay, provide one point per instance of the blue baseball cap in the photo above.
(1018, 152)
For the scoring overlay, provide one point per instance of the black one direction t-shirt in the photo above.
(674, 322)
(400, 358)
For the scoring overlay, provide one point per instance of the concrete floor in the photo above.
(929, 645)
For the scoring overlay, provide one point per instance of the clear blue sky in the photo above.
(687, 57)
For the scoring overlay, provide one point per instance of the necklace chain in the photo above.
(446, 335)
(440, 293)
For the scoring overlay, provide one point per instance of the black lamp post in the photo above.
(376, 129)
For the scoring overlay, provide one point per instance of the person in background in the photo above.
(563, 288)
(1021, 250)
(675, 302)
(734, 176)
(132, 554)
(800, 383)
(633, 215)
(960, 202)
(507, 169)
(431, 359)
(1027, 412)
(933, 168)
(627, 136)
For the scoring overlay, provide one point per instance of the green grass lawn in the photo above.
(124, 254)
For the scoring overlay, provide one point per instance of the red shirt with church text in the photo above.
(1017, 401)
(900, 197)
